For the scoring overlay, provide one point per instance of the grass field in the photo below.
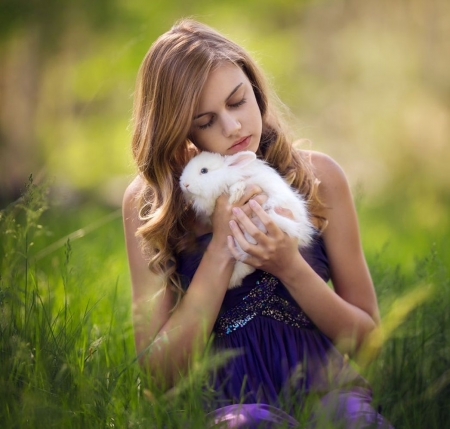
(66, 349)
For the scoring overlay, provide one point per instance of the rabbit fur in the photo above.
(208, 175)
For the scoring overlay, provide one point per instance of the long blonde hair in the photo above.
(170, 80)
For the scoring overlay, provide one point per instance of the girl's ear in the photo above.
(240, 159)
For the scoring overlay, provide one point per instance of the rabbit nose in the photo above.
(186, 185)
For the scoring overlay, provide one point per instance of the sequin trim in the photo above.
(261, 301)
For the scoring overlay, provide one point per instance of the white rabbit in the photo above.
(208, 175)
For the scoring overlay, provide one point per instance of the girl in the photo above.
(199, 91)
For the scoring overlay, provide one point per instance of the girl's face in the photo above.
(227, 119)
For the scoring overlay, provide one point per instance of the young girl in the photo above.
(198, 91)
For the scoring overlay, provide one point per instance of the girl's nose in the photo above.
(231, 125)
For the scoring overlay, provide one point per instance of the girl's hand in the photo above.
(274, 251)
(223, 211)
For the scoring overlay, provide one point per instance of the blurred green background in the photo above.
(367, 82)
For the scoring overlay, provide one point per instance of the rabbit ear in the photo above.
(240, 159)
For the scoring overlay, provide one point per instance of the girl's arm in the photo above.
(167, 340)
(350, 311)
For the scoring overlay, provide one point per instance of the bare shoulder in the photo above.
(129, 202)
(333, 182)
(325, 167)
(133, 190)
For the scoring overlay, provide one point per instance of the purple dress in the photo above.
(283, 359)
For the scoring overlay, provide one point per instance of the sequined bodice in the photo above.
(260, 294)
(262, 300)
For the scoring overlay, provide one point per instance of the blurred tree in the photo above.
(31, 34)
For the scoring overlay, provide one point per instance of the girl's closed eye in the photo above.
(230, 105)
(207, 125)
(238, 104)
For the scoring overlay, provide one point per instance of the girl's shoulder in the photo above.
(134, 188)
(331, 176)
(131, 197)
(133, 191)
(323, 165)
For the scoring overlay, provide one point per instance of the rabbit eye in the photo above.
(203, 170)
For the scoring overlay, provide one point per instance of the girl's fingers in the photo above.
(251, 239)
(257, 240)
(251, 191)
(260, 198)
(240, 238)
(267, 221)
(258, 223)
(233, 249)
(284, 212)
(244, 221)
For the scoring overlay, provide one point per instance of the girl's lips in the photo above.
(241, 144)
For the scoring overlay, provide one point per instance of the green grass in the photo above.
(67, 354)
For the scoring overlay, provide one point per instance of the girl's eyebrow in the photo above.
(229, 96)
